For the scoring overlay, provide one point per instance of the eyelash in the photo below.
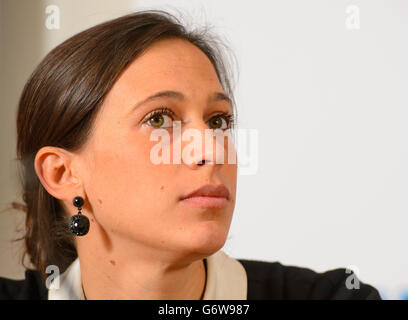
(164, 110)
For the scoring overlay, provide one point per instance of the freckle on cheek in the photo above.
(100, 201)
(113, 262)
(162, 188)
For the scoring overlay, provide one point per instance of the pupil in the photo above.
(157, 118)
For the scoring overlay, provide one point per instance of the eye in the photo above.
(221, 121)
(160, 118)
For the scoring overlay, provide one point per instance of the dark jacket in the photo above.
(266, 281)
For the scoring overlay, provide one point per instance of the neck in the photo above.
(148, 275)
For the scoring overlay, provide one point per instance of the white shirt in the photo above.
(226, 280)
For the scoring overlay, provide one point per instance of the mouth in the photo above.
(207, 202)
(208, 196)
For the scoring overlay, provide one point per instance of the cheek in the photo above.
(125, 187)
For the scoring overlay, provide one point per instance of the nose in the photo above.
(201, 147)
(202, 162)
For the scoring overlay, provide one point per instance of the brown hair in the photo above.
(61, 99)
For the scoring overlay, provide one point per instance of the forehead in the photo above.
(169, 62)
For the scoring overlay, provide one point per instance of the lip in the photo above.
(208, 196)
(209, 190)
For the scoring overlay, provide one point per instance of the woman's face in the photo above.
(130, 197)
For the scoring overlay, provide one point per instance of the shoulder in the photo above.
(273, 280)
(30, 288)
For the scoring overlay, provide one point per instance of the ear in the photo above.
(54, 168)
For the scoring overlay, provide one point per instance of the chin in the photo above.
(207, 238)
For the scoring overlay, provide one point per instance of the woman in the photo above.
(101, 210)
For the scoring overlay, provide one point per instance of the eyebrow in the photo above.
(216, 96)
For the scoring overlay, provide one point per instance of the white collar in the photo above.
(226, 280)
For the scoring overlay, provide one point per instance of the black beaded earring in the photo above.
(79, 224)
